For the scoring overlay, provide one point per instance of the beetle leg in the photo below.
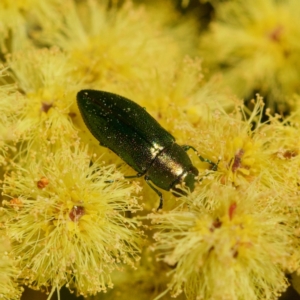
(214, 165)
(135, 176)
(127, 177)
(156, 191)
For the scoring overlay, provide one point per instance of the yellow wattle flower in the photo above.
(263, 55)
(68, 225)
(242, 239)
(9, 289)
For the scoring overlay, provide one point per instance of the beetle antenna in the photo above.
(214, 165)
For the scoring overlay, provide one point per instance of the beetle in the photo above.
(136, 137)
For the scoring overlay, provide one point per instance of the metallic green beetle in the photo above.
(134, 135)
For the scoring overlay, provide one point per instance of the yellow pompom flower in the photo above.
(18, 19)
(243, 146)
(255, 45)
(67, 224)
(239, 249)
(283, 148)
(9, 289)
(11, 104)
(148, 281)
(43, 77)
(111, 45)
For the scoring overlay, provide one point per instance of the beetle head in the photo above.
(188, 179)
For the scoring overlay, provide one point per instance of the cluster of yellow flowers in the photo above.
(69, 217)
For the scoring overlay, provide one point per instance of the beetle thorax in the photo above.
(170, 167)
